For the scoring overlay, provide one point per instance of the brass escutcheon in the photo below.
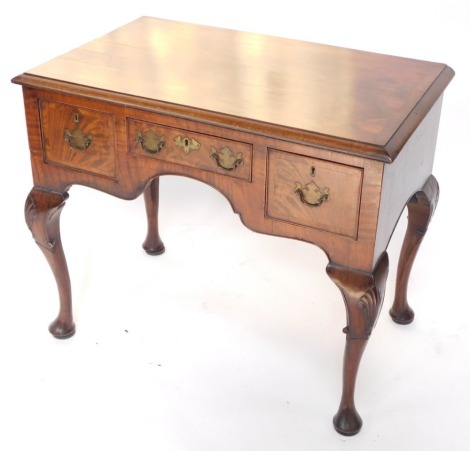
(187, 145)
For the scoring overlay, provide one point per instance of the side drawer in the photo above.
(78, 138)
(314, 192)
(188, 148)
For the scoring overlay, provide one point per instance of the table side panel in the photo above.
(406, 175)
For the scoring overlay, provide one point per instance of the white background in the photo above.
(230, 340)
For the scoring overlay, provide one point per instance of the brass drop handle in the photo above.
(226, 159)
(77, 140)
(311, 194)
(150, 142)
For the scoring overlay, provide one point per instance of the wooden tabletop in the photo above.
(353, 95)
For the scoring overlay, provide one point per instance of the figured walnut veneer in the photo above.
(307, 141)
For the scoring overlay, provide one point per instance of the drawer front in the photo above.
(187, 148)
(79, 138)
(314, 193)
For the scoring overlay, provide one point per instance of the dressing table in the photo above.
(312, 142)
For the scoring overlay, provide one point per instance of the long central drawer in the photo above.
(188, 148)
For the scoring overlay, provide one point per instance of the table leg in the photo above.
(420, 210)
(363, 295)
(153, 245)
(42, 214)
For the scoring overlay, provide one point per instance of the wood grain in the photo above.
(360, 128)
(345, 95)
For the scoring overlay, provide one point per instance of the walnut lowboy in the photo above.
(311, 142)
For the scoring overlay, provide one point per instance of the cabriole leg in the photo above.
(42, 214)
(363, 296)
(153, 245)
(420, 210)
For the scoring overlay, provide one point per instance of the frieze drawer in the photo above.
(79, 138)
(187, 148)
(314, 192)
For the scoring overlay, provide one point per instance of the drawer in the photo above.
(188, 148)
(78, 138)
(314, 193)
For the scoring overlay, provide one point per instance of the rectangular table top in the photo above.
(355, 96)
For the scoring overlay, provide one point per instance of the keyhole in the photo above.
(76, 118)
(312, 171)
(186, 142)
